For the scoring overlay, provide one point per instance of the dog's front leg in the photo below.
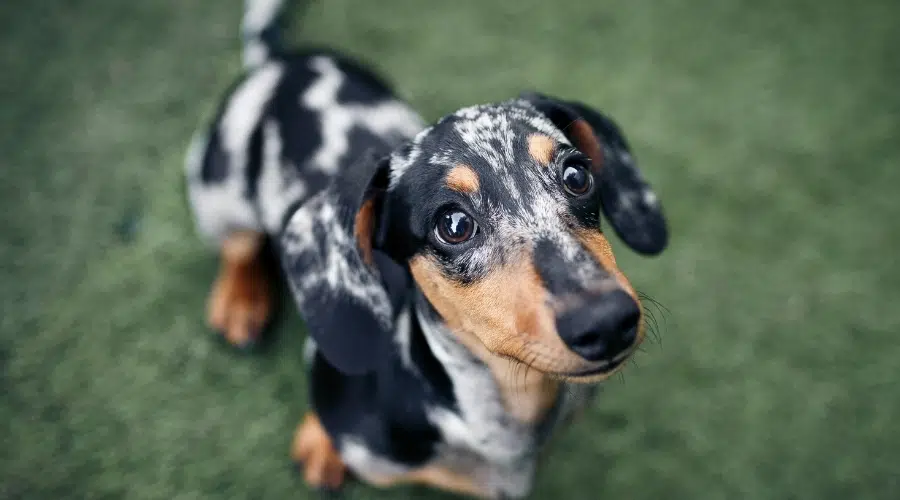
(314, 453)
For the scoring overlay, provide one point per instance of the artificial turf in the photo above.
(771, 130)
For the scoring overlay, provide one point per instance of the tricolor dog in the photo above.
(460, 294)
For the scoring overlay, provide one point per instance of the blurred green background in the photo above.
(771, 130)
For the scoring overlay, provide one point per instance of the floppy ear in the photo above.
(627, 199)
(329, 257)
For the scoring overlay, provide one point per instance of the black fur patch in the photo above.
(300, 126)
(254, 163)
(362, 142)
(362, 86)
(215, 166)
(216, 161)
(386, 408)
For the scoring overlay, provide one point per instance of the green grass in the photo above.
(771, 130)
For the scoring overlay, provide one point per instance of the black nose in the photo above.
(601, 329)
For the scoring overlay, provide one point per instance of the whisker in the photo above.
(525, 377)
(513, 370)
(655, 302)
(650, 313)
(652, 324)
(523, 363)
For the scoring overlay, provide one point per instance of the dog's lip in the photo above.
(604, 369)
(600, 370)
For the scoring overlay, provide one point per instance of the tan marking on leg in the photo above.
(540, 147)
(312, 447)
(462, 178)
(240, 302)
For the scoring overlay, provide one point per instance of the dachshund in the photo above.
(461, 298)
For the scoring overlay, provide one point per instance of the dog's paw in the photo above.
(314, 454)
(241, 299)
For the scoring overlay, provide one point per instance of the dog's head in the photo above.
(495, 211)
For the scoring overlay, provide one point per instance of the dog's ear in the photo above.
(627, 199)
(328, 249)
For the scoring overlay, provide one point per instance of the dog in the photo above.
(461, 298)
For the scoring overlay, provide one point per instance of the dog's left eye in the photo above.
(455, 226)
(577, 179)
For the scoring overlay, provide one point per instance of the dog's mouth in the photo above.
(576, 371)
(593, 374)
(596, 373)
(588, 375)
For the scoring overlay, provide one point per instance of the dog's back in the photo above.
(291, 122)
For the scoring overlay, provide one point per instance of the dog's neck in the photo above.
(526, 394)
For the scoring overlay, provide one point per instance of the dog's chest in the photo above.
(481, 434)
(481, 421)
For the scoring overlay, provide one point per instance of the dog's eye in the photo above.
(577, 179)
(455, 226)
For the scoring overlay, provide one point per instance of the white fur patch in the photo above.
(515, 109)
(309, 350)
(193, 159)
(339, 118)
(280, 184)
(221, 207)
(402, 331)
(490, 136)
(258, 15)
(255, 53)
(366, 464)
(245, 108)
(400, 164)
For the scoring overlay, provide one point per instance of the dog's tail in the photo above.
(261, 31)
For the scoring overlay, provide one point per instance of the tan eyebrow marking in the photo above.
(463, 179)
(540, 147)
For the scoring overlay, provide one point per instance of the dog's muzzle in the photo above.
(595, 317)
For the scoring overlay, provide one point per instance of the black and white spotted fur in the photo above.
(299, 144)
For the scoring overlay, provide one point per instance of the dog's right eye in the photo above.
(455, 226)
(577, 179)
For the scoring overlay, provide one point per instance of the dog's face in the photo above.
(496, 210)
